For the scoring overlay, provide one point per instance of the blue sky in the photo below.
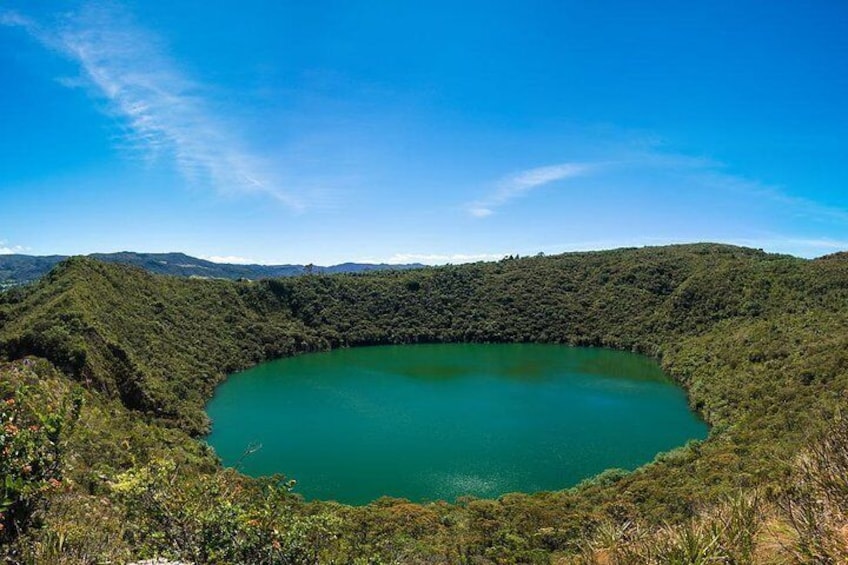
(297, 132)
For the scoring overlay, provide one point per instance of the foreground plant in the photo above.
(31, 432)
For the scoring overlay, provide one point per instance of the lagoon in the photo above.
(438, 421)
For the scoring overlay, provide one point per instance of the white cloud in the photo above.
(480, 211)
(164, 112)
(521, 183)
(7, 249)
(793, 245)
(441, 259)
(772, 243)
(231, 259)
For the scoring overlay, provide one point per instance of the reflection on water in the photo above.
(439, 421)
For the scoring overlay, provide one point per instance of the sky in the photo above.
(328, 131)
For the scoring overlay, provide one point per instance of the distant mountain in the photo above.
(21, 269)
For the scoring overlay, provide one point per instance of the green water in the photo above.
(429, 422)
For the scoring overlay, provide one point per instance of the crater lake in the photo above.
(430, 422)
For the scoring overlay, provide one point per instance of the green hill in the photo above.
(758, 340)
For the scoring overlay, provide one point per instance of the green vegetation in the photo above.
(22, 269)
(759, 341)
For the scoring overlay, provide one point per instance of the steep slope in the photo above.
(759, 341)
(161, 343)
(158, 343)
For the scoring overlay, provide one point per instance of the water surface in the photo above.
(429, 422)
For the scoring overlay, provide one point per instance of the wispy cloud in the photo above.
(666, 171)
(15, 19)
(519, 184)
(804, 206)
(694, 172)
(165, 114)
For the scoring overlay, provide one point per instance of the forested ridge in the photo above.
(111, 367)
(16, 269)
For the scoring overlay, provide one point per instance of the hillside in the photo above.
(759, 341)
(22, 269)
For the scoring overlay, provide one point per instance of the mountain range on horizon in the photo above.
(17, 269)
